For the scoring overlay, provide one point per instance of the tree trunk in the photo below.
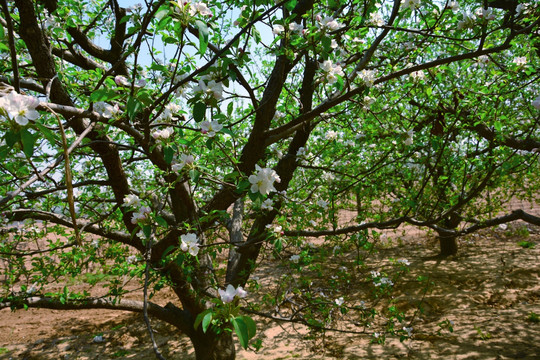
(448, 244)
(210, 346)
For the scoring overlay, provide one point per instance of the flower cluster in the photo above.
(189, 243)
(331, 70)
(211, 88)
(230, 292)
(141, 215)
(411, 4)
(163, 134)
(263, 180)
(367, 76)
(105, 109)
(210, 128)
(328, 23)
(195, 8)
(184, 160)
(19, 108)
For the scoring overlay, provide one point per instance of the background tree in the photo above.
(186, 135)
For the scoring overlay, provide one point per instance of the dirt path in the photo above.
(489, 292)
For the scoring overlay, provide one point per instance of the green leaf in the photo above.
(147, 231)
(200, 317)
(12, 138)
(199, 111)
(161, 221)
(28, 141)
(327, 44)
(133, 107)
(48, 134)
(206, 321)
(203, 36)
(241, 330)
(162, 12)
(251, 326)
(168, 153)
(291, 5)
(103, 95)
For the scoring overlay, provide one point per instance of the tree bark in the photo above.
(448, 245)
(212, 346)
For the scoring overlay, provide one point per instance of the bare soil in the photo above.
(490, 292)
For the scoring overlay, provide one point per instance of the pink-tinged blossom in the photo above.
(211, 128)
(141, 215)
(520, 60)
(163, 134)
(487, 14)
(331, 70)
(240, 292)
(230, 292)
(121, 81)
(189, 244)
(278, 29)
(263, 180)
(329, 23)
(19, 108)
(417, 75)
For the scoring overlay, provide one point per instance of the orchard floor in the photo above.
(490, 292)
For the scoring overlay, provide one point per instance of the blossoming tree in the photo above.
(173, 142)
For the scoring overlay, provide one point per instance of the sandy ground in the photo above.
(488, 292)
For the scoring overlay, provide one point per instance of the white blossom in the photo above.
(105, 109)
(323, 204)
(19, 108)
(211, 88)
(263, 180)
(295, 259)
(184, 160)
(487, 14)
(267, 205)
(189, 243)
(376, 19)
(367, 76)
(141, 215)
(520, 60)
(453, 5)
(131, 259)
(210, 128)
(404, 262)
(411, 4)
(278, 29)
(339, 301)
(331, 70)
(409, 138)
(467, 22)
(296, 27)
(132, 200)
(230, 292)
(331, 135)
(163, 134)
